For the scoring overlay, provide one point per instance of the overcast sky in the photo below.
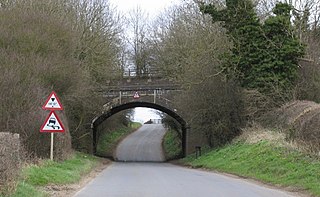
(143, 114)
(152, 7)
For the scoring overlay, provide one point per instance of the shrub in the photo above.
(300, 121)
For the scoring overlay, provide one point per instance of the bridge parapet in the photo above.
(139, 83)
(148, 73)
(161, 97)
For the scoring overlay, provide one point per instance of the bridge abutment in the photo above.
(193, 140)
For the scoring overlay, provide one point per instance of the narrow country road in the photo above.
(166, 180)
(143, 145)
(143, 179)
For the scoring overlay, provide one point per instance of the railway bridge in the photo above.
(151, 91)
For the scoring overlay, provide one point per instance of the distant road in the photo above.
(166, 180)
(143, 145)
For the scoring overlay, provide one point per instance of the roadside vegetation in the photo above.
(172, 141)
(69, 46)
(34, 178)
(266, 156)
(243, 63)
(172, 145)
(109, 140)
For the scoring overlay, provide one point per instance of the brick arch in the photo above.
(100, 119)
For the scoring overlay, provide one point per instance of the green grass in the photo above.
(51, 172)
(266, 162)
(135, 125)
(26, 189)
(109, 141)
(171, 145)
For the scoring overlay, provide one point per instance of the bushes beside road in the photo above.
(35, 178)
(67, 46)
(109, 140)
(265, 156)
(299, 121)
(171, 145)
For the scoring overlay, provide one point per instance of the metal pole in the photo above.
(120, 100)
(51, 148)
(154, 96)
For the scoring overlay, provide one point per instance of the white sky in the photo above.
(142, 114)
(151, 7)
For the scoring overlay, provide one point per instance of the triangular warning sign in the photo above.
(52, 124)
(52, 102)
(136, 95)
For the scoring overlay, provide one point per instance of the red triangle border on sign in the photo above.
(52, 131)
(58, 100)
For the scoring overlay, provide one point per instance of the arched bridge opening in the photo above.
(107, 114)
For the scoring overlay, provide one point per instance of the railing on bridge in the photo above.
(150, 72)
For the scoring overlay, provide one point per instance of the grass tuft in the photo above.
(26, 189)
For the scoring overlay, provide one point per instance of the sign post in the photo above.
(52, 123)
(51, 147)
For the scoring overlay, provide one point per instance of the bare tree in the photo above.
(68, 46)
(101, 27)
(137, 40)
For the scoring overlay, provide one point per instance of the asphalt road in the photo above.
(142, 145)
(141, 179)
(166, 180)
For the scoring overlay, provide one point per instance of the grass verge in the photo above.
(171, 145)
(53, 173)
(109, 141)
(266, 162)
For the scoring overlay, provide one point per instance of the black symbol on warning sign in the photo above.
(52, 103)
(52, 122)
(136, 95)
